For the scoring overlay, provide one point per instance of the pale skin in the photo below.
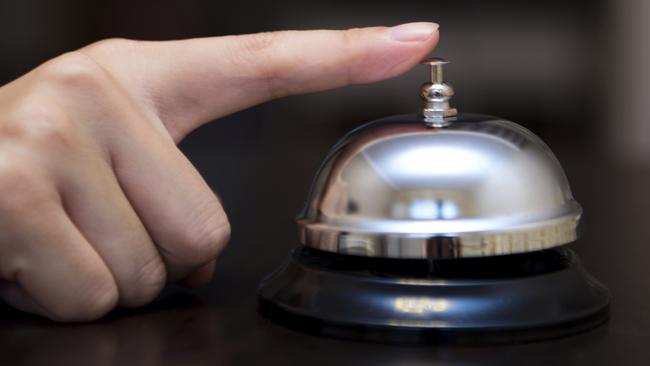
(98, 207)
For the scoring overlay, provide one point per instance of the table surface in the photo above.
(263, 178)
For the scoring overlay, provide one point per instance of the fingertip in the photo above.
(400, 48)
(414, 32)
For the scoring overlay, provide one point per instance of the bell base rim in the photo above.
(311, 295)
(428, 336)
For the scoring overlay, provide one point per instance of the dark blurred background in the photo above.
(574, 72)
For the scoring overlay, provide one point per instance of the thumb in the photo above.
(190, 82)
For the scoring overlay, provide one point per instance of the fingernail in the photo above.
(413, 32)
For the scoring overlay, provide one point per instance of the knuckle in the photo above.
(90, 303)
(73, 71)
(111, 44)
(271, 68)
(259, 42)
(207, 238)
(46, 128)
(21, 186)
(110, 48)
(350, 40)
(352, 35)
(13, 175)
(41, 123)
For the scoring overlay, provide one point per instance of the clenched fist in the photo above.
(98, 207)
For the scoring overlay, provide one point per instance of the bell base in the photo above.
(504, 299)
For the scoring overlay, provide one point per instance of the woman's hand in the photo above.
(98, 207)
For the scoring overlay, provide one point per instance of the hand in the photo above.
(98, 207)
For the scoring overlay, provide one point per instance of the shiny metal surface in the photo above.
(398, 188)
(436, 95)
(461, 301)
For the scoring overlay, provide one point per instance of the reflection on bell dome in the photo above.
(488, 185)
(432, 209)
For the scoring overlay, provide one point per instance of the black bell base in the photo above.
(504, 299)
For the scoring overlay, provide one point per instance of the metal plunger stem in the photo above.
(436, 73)
(436, 94)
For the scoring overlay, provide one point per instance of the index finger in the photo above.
(190, 82)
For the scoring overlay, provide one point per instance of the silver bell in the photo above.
(407, 226)
(439, 185)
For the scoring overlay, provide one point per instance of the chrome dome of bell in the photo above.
(437, 185)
